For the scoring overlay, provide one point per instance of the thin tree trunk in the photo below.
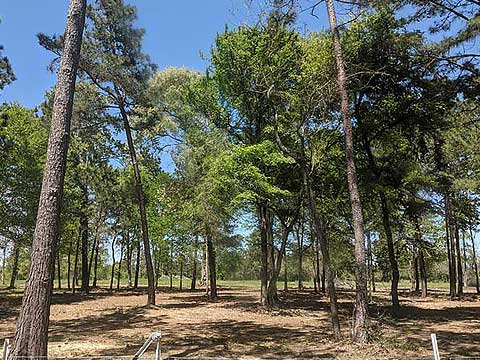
(142, 208)
(31, 337)
(317, 261)
(137, 266)
(69, 261)
(84, 229)
(416, 274)
(370, 263)
(300, 256)
(212, 272)
(129, 261)
(94, 247)
(171, 266)
(451, 254)
(16, 255)
(4, 259)
(475, 264)
(325, 256)
(95, 266)
(181, 275)
(119, 273)
(465, 273)
(360, 316)
(75, 267)
(112, 274)
(285, 271)
(421, 258)
(59, 271)
(459, 259)
(193, 284)
(264, 224)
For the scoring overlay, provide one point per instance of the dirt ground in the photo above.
(116, 324)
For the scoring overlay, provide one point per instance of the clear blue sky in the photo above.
(176, 32)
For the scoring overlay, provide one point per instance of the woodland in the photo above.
(310, 194)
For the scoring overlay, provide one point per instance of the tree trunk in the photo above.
(94, 247)
(137, 266)
(193, 284)
(31, 337)
(84, 230)
(300, 256)
(119, 273)
(264, 224)
(59, 271)
(475, 264)
(459, 258)
(4, 259)
(360, 317)
(181, 275)
(75, 267)
(465, 273)
(452, 276)
(317, 261)
(421, 258)
(370, 263)
(16, 255)
(112, 274)
(285, 271)
(325, 256)
(415, 286)
(129, 261)
(95, 266)
(141, 204)
(212, 271)
(69, 261)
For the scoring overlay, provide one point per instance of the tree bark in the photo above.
(16, 255)
(69, 261)
(360, 317)
(319, 232)
(119, 273)
(59, 271)
(137, 266)
(31, 337)
(193, 284)
(300, 234)
(112, 274)
(142, 207)
(451, 257)
(84, 230)
(75, 267)
(212, 268)
(459, 259)
(285, 271)
(263, 219)
(475, 264)
(95, 266)
(181, 275)
(129, 261)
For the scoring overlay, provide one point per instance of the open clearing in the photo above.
(116, 324)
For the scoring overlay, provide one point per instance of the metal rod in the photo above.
(436, 354)
(6, 343)
(156, 336)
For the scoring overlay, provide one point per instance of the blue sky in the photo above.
(176, 32)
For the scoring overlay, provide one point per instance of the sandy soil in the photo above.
(235, 326)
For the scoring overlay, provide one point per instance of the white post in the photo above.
(158, 351)
(5, 349)
(436, 354)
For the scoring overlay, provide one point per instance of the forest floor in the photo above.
(116, 324)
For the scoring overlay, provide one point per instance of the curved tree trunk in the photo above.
(31, 336)
(112, 274)
(141, 204)
(16, 255)
(360, 316)
(137, 266)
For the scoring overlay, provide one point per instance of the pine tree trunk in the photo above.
(264, 224)
(475, 264)
(181, 275)
(4, 259)
(69, 261)
(465, 273)
(360, 317)
(459, 259)
(141, 204)
(416, 275)
(119, 273)
(212, 271)
(451, 257)
(129, 261)
(16, 255)
(193, 284)
(319, 232)
(94, 247)
(285, 271)
(84, 229)
(95, 266)
(317, 261)
(75, 267)
(112, 274)
(300, 234)
(137, 266)
(59, 271)
(31, 337)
